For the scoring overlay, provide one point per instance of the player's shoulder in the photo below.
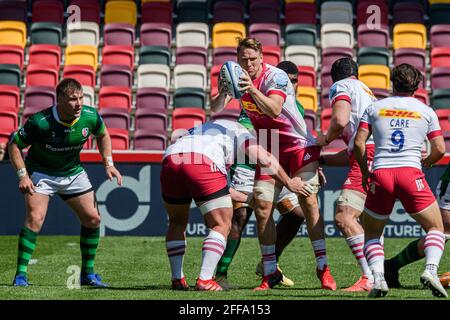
(88, 110)
(277, 75)
(41, 116)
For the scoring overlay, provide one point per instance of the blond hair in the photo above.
(249, 43)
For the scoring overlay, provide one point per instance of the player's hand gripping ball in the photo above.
(229, 76)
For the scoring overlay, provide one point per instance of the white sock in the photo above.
(356, 244)
(175, 252)
(320, 252)
(434, 248)
(374, 252)
(213, 247)
(269, 259)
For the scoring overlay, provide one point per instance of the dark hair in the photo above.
(67, 86)
(251, 43)
(406, 78)
(288, 66)
(344, 68)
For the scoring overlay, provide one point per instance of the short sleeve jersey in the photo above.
(55, 144)
(360, 97)
(399, 126)
(221, 141)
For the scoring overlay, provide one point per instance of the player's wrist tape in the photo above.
(21, 173)
(108, 161)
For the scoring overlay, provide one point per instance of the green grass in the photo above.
(138, 268)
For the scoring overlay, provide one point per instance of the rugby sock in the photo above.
(374, 252)
(320, 252)
(269, 259)
(89, 239)
(213, 247)
(175, 252)
(356, 244)
(228, 254)
(27, 244)
(408, 255)
(433, 247)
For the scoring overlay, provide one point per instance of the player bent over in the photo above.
(399, 125)
(56, 136)
(198, 163)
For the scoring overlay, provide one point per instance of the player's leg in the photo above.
(445, 277)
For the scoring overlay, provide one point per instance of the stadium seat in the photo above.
(214, 80)
(325, 117)
(83, 33)
(380, 93)
(160, 12)
(155, 99)
(336, 35)
(115, 118)
(46, 33)
(147, 118)
(440, 35)
(11, 54)
(326, 80)
(48, 54)
(13, 11)
(189, 98)
(408, 12)
(300, 34)
(189, 76)
(191, 55)
(149, 140)
(308, 98)
(155, 55)
(116, 75)
(263, 12)
(310, 120)
(41, 75)
(440, 77)
(89, 10)
(228, 11)
(82, 55)
(223, 54)
(409, 35)
(84, 74)
(226, 114)
(153, 75)
(440, 57)
(119, 138)
(373, 55)
(413, 56)
(192, 11)
(267, 33)
(225, 34)
(306, 77)
(119, 34)
(192, 35)
(186, 118)
(446, 135)
(10, 74)
(13, 33)
(300, 13)
(303, 55)
(366, 9)
(115, 97)
(443, 116)
(123, 55)
(368, 37)
(422, 95)
(156, 34)
(375, 76)
(271, 55)
(439, 13)
(336, 12)
(9, 97)
(89, 96)
(324, 101)
(48, 11)
(39, 97)
(119, 11)
(9, 118)
(330, 55)
(440, 98)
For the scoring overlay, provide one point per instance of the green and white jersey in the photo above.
(55, 144)
(446, 175)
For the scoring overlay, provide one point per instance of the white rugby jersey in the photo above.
(399, 126)
(360, 97)
(219, 140)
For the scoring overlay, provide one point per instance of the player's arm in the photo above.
(339, 120)
(360, 150)
(105, 149)
(219, 101)
(271, 105)
(16, 158)
(339, 159)
(437, 151)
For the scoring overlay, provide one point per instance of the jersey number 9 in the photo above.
(398, 139)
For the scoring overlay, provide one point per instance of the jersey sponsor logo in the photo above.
(22, 133)
(387, 113)
(281, 80)
(85, 132)
(62, 149)
(249, 106)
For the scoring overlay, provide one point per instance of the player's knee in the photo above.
(341, 219)
(92, 221)
(35, 220)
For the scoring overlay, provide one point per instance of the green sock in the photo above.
(89, 240)
(27, 244)
(406, 256)
(227, 257)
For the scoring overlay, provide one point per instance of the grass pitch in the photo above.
(138, 268)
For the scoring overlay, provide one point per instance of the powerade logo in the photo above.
(55, 149)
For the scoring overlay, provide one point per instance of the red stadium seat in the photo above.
(155, 99)
(228, 11)
(440, 77)
(363, 14)
(84, 74)
(11, 54)
(299, 12)
(443, 116)
(156, 34)
(115, 97)
(39, 97)
(310, 120)
(149, 140)
(223, 54)
(440, 57)
(268, 34)
(325, 118)
(186, 118)
(47, 54)
(90, 10)
(4, 135)
(48, 11)
(325, 76)
(148, 118)
(422, 95)
(330, 55)
(119, 138)
(324, 101)
(121, 34)
(42, 75)
(440, 35)
(9, 118)
(123, 55)
(368, 37)
(306, 77)
(116, 75)
(215, 70)
(413, 56)
(272, 55)
(9, 97)
(233, 104)
(192, 55)
(157, 12)
(115, 118)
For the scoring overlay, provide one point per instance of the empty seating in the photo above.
(115, 97)
(213, 76)
(155, 99)
(337, 35)
(84, 74)
(336, 12)
(147, 118)
(373, 55)
(13, 10)
(89, 10)
(375, 76)
(83, 33)
(409, 35)
(368, 13)
(189, 98)
(440, 35)
(191, 55)
(157, 12)
(380, 93)
(13, 33)
(119, 11)
(154, 55)
(330, 55)
(223, 54)
(300, 34)
(10, 74)
(303, 55)
(119, 138)
(368, 37)
(264, 12)
(268, 34)
(325, 117)
(192, 11)
(440, 77)
(9, 97)
(226, 114)
(440, 98)
(189, 75)
(228, 11)
(121, 34)
(224, 34)
(422, 95)
(307, 97)
(271, 54)
(325, 77)
(297, 12)
(408, 12)
(39, 97)
(186, 118)
(310, 119)
(123, 55)
(115, 118)
(48, 11)
(156, 34)
(89, 96)
(11, 54)
(306, 77)
(9, 119)
(440, 57)
(439, 13)
(192, 35)
(41, 75)
(45, 54)
(116, 75)
(46, 33)
(149, 140)
(82, 54)
(443, 116)
(153, 75)
(412, 56)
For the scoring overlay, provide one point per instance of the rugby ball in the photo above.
(445, 280)
(229, 76)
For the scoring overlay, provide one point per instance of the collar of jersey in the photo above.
(263, 72)
(56, 115)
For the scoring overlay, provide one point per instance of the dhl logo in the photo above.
(249, 106)
(399, 114)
